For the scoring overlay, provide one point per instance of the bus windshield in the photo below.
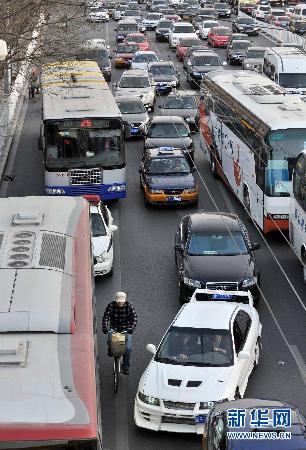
(82, 147)
(284, 147)
(292, 80)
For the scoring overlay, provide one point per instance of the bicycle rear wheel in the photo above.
(116, 371)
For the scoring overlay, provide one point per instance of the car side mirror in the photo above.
(110, 57)
(115, 29)
(255, 246)
(244, 354)
(113, 228)
(151, 348)
(179, 247)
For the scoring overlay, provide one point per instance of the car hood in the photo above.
(168, 142)
(184, 35)
(132, 118)
(133, 91)
(214, 381)
(165, 78)
(204, 69)
(171, 182)
(100, 244)
(218, 268)
(179, 112)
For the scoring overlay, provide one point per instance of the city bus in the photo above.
(49, 390)
(81, 132)
(252, 133)
(297, 217)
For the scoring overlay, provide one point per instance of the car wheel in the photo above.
(257, 353)
(237, 395)
(110, 273)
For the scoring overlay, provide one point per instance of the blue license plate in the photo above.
(174, 199)
(134, 130)
(200, 419)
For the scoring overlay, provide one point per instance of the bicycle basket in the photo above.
(117, 345)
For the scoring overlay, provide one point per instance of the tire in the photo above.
(257, 353)
(213, 167)
(146, 203)
(116, 371)
(110, 273)
(237, 395)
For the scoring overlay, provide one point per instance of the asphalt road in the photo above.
(144, 267)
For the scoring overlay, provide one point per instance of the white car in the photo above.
(261, 11)
(142, 58)
(180, 30)
(206, 26)
(206, 355)
(102, 236)
(119, 11)
(151, 21)
(137, 83)
(98, 15)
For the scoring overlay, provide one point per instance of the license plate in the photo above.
(200, 419)
(134, 130)
(174, 199)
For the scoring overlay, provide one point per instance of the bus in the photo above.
(252, 133)
(81, 132)
(49, 390)
(297, 217)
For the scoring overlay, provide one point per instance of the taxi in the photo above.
(166, 177)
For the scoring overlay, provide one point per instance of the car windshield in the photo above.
(221, 6)
(127, 27)
(222, 32)
(240, 45)
(127, 49)
(208, 12)
(180, 103)
(162, 70)
(165, 24)
(183, 29)
(168, 130)
(169, 12)
(253, 53)
(153, 17)
(207, 60)
(210, 24)
(189, 42)
(94, 54)
(133, 107)
(240, 37)
(245, 21)
(97, 225)
(145, 57)
(217, 244)
(201, 347)
(265, 8)
(167, 166)
(282, 18)
(134, 82)
(136, 38)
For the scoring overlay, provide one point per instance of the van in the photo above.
(287, 67)
(300, 10)
(125, 27)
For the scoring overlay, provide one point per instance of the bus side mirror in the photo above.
(255, 246)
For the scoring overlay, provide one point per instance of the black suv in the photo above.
(213, 251)
(236, 51)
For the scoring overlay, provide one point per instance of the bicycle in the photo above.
(117, 347)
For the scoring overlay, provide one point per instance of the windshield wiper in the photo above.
(168, 360)
(176, 173)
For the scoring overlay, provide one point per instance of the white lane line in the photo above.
(121, 429)
(299, 361)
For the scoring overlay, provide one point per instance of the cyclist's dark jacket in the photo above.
(118, 318)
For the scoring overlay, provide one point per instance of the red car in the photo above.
(218, 36)
(184, 44)
(140, 40)
(173, 17)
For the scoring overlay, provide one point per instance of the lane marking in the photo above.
(299, 361)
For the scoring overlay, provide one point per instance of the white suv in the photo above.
(137, 83)
(180, 30)
(261, 11)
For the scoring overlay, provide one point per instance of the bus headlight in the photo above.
(117, 188)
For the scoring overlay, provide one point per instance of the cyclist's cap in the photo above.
(120, 297)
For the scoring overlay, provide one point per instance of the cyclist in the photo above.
(120, 316)
(34, 83)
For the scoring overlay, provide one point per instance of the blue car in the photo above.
(224, 422)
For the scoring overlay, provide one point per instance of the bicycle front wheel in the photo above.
(116, 370)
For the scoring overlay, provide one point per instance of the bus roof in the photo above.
(262, 97)
(76, 89)
(48, 386)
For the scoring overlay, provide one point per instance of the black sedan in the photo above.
(236, 51)
(213, 251)
(245, 25)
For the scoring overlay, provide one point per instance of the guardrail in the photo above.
(278, 35)
(11, 108)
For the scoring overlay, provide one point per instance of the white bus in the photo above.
(297, 217)
(49, 390)
(81, 132)
(252, 133)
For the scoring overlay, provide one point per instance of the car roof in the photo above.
(135, 73)
(161, 63)
(178, 94)
(144, 52)
(136, 34)
(214, 222)
(220, 28)
(240, 41)
(258, 48)
(159, 153)
(167, 119)
(209, 52)
(214, 315)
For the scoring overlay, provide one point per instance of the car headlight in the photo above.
(255, 28)
(248, 282)
(156, 191)
(196, 73)
(173, 83)
(192, 283)
(148, 399)
(117, 188)
(191, 190)
(248, 66)
(207, 405)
